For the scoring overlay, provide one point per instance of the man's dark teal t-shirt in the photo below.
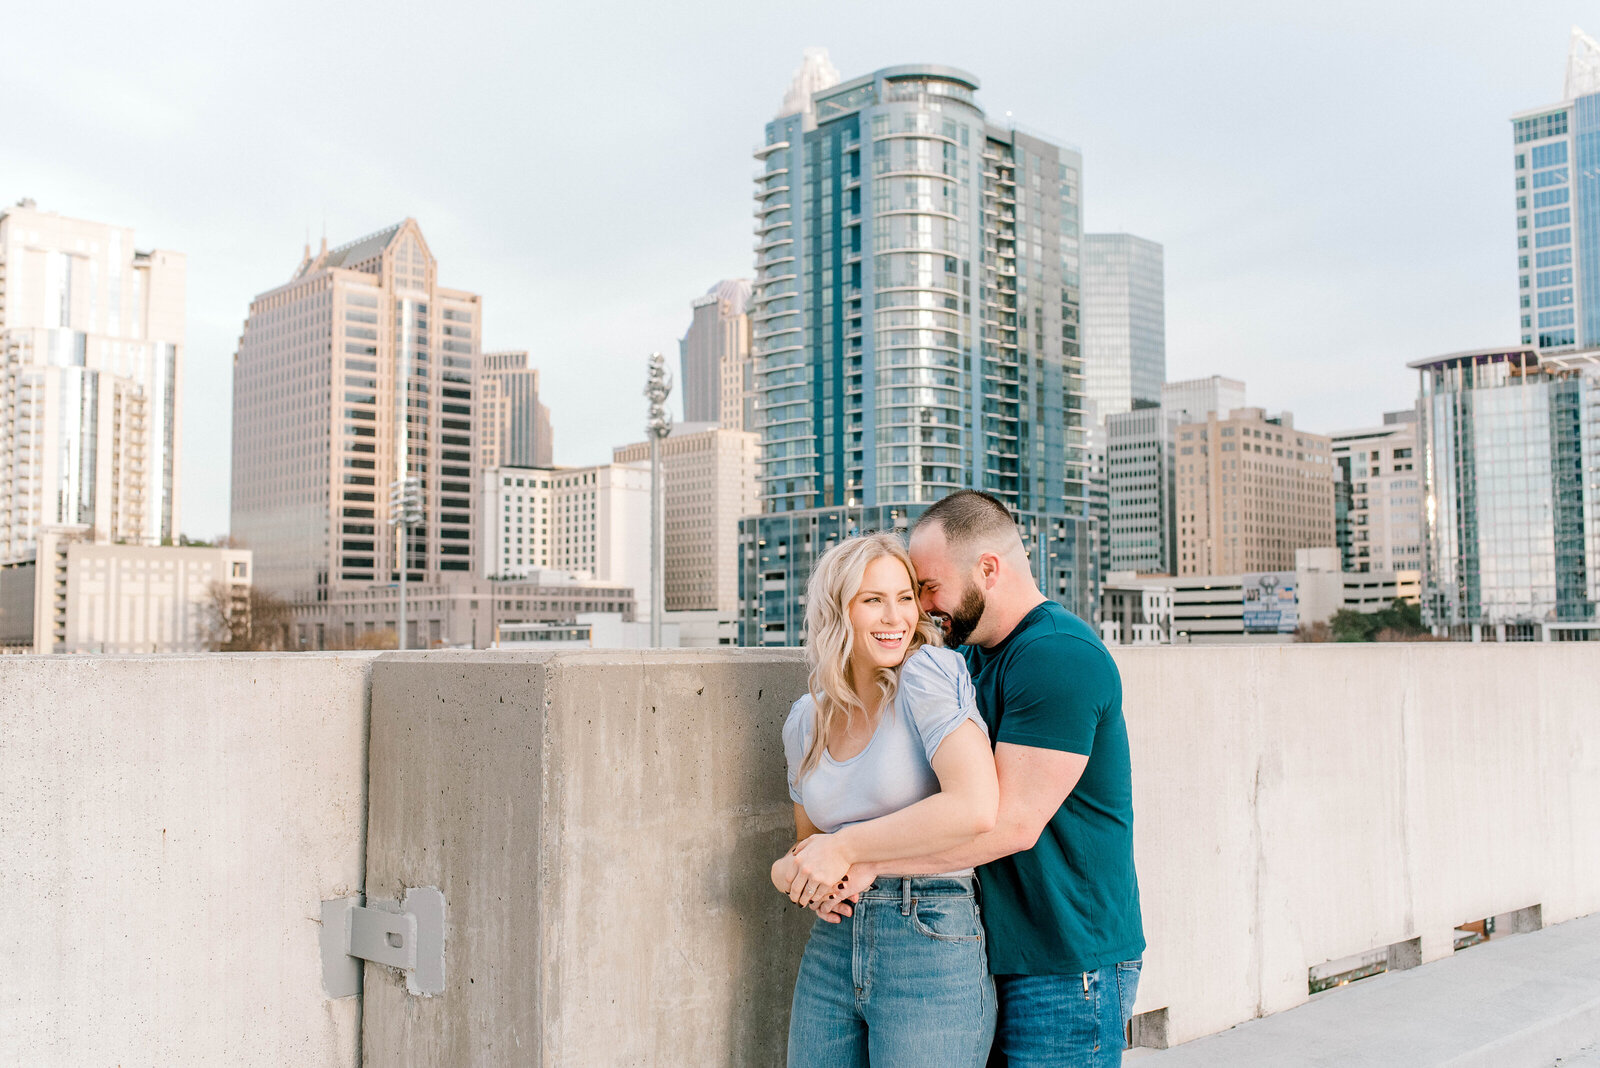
(1071, 903)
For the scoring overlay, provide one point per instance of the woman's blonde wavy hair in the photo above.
(835, 581)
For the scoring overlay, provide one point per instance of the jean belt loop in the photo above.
(905, 895)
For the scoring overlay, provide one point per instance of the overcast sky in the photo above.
(1332, 182)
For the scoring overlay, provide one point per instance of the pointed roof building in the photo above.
(815, 74)
(1583, 65)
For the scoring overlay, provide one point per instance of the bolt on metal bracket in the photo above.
(408, 935)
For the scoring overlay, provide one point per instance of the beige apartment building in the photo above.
(514, 425)
(1250, 491)
(81, 596)
(709, 480)
(91, 368)
(715, 358)
(357, 372)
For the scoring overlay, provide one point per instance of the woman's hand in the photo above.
(839, 902)
(821, 862)
(783, 871)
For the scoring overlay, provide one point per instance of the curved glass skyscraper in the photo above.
(915, 322)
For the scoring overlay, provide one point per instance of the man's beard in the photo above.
(966, 616)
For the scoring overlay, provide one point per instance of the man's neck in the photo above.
(1009, 610)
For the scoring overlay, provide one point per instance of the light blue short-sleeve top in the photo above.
(935, 696)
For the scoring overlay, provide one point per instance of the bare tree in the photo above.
(244, 620)
(1313, 632)
(376, 639)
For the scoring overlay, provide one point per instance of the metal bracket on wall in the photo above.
(408, 935)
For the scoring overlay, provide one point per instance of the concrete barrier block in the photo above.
(601, 826)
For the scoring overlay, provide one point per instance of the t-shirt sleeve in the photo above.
(1057, 693)
(936, 691)
(794, 742)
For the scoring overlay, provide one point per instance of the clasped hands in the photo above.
(819, 874)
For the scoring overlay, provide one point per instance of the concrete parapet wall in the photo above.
(1296, 805)
(168, 826)
(601, 824)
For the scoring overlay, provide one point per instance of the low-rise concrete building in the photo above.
(591, 630)
(1136, 609)
(461, 614)
(1270, 606)
(73, 595)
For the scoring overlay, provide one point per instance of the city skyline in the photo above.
(1294, 256)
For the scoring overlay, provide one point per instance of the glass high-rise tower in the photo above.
(915, 322)
(1557, 165)
(91, 376)
(1124, 323)
(1510, 442)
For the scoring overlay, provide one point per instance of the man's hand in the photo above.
(837, 904)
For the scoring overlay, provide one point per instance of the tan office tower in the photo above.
(715, 356)
(515, 426)
(709, 477)
(1251, 490)
(357, 372)
(91, 363)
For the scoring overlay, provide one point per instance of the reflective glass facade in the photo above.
(1557, 166)
(1140, 466)
(1511, 445)
(915, 321)
(1124, 322)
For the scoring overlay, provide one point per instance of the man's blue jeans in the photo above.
(903, 983)
(1064, 1021)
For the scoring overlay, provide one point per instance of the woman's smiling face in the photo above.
(883, 614)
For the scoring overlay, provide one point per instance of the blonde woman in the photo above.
(888, 759)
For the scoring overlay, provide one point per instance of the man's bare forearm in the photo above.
(980, 850)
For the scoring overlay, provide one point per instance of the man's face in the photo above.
(949, 593)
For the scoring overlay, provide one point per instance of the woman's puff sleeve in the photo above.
(936, 692)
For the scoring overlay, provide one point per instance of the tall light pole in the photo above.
(405, 511)
(657, 387)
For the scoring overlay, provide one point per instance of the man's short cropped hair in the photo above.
(968, 517)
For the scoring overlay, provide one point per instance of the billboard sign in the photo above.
(1270, 603)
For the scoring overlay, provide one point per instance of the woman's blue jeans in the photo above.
(904, 981)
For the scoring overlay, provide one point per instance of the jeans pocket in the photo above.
(946, 919)
(1128, 987)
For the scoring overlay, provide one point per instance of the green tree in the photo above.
(1398, 623)
(1348, 625)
